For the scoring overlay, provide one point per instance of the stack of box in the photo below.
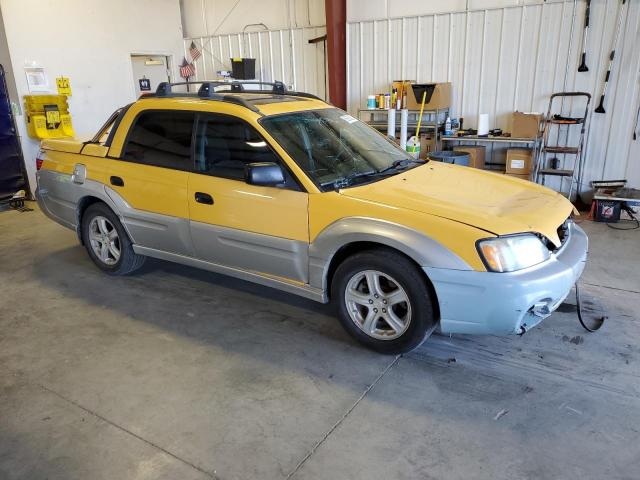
(519, 162)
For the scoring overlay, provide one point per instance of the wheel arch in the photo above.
(91, 196)
(352, 248)
(84, 203)
(350, 235)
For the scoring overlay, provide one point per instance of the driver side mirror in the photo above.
(266, 174)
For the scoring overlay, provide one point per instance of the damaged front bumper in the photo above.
(504, 303)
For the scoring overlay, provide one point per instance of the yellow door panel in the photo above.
(156, 211)
(265, 210)
(98, 168)
(253, 228)
(151, 189)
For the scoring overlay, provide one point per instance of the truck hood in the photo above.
(496, 203)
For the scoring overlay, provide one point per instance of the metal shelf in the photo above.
(430, 119)
(475, 138)
(410, 125)
(556, 172)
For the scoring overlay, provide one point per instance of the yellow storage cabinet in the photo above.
(48, 116)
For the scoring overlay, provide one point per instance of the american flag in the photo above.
(194, 52)
(187, 69)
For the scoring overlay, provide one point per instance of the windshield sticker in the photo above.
(348, 118)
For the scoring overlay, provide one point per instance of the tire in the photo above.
(99, 226)
(404, 316)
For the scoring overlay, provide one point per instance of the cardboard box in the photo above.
(519, 161)
(438, 94)
(525, 125)
(427, 144)
(476, 154)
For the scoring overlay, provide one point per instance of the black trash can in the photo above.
(243, 68)
(449, 156)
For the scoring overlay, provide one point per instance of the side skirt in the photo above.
(303, 290)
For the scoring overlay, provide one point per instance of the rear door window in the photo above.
(161, 139)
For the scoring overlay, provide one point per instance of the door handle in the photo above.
(117, 181)
(204, 198)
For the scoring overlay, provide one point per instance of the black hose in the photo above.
(598, 322)
(635, 223)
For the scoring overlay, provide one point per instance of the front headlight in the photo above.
(507, 254)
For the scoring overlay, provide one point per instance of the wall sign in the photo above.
(64, 86)
(145, 84)
(36, 79)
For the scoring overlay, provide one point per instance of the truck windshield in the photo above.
(335, 149)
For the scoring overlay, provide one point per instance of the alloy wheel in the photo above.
(104, 239)
(378, 305)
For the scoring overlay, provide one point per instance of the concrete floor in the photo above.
(179, 373)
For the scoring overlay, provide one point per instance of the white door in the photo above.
(151, 69)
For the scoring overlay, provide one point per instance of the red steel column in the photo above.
(336, 16)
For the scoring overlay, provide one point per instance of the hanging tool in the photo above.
(600, 108)
(413, 144)
(635, 128)
(583, 65)
(422, 103)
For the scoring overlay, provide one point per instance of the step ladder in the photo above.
(547, 163)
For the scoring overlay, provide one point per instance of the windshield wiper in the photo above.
(346, 181)
(398, 164)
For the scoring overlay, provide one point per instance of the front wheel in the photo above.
(384, 301)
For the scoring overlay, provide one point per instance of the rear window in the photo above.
(161, 139)
(105, 132)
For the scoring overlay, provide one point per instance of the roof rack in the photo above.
(208, 90)
(277, 87)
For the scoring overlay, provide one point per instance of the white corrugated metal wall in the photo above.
(284, 55)
(511, 58)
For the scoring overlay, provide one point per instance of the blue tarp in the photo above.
(12, 176)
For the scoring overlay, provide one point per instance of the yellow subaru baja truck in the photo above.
(285, 190)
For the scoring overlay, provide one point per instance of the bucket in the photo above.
(448, 156)
(413, 146)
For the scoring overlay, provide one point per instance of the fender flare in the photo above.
(422, 249)
(92, 188)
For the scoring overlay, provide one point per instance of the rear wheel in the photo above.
(384, 301)
(107, 241)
